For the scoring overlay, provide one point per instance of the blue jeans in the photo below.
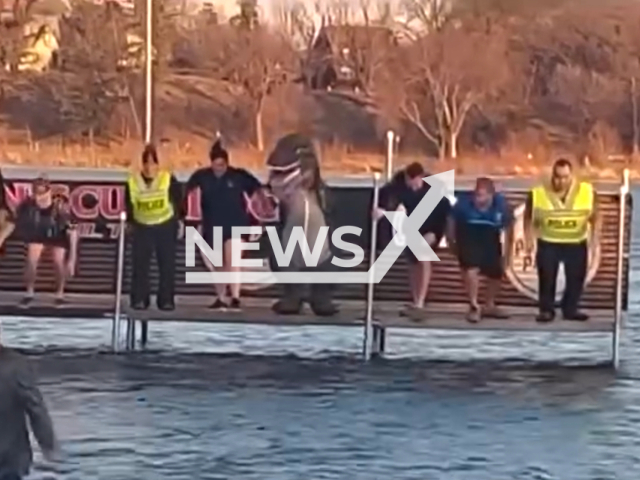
(10, 476)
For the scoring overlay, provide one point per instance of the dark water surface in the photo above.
(297, 404)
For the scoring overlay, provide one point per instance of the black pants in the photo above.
(10, 476)
(162, 240)
(549, 256)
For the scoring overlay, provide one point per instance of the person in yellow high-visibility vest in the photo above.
(154, 210)
(562, 216)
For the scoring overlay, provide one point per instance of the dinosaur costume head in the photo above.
(293, 165)
(294, 178)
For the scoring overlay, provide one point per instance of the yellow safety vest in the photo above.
(151, 204)
(563, 222)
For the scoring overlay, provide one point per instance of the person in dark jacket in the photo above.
(155, 212)
(406, 189)
(21, 401)
(223, 202)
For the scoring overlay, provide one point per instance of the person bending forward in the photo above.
(474, 233)
(407, 189)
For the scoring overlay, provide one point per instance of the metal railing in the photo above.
(115, 334)
(620, 267)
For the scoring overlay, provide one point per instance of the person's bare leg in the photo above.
(229, 262)
(422, 280)
(34, 252)
(471, 278)
(220, 288)
(490, 309)
(59, 255)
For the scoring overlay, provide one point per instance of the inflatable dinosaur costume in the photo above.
(294, 178)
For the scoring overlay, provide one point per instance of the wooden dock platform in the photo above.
(192, 309)
(100, 289)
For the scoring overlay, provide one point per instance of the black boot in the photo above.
(291, 301)
(321, 300)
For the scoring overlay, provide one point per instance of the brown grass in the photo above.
(188, 155)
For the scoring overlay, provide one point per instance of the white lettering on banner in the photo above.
(397, 225)
(358, 252)
(214, 255)
(237, 247)
(410, 229)
(311, 258)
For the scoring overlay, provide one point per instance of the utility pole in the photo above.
(148, 72)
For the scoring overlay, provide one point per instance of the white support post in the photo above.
(621, 254)
(115, 334)
(368, 323)
(388, 167)
(148, 72)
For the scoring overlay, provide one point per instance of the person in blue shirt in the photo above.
(474, 233)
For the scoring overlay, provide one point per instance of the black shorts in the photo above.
(58, 242)
(485, 255)
(411, 258)
(207, 235)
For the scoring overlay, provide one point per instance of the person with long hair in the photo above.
(223, 193)
(44, 221)
(154, 210)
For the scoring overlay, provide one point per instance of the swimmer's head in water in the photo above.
(413, 176)
(293, 164)
(219, 158)
(150, 161)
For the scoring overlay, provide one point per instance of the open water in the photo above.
(297, 404)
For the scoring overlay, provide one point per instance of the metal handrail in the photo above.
(388, 167)
(115, 334)
(368, 324)
(622, 231)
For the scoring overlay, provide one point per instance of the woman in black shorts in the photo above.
(44, 221)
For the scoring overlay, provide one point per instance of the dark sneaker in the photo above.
(545, 317)
(473, 315)
(218, 305)
(286, 306)
(324, 309)
(235, 305)
(60, 302)
(166, 307)
(26, 301)
(576, 316)
(139, 306)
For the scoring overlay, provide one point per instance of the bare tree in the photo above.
(444, 75)
(296, 21)
(258, 61)
(426, 15)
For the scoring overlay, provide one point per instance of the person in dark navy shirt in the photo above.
(474, 232)
(406, 189)
(223, 193)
